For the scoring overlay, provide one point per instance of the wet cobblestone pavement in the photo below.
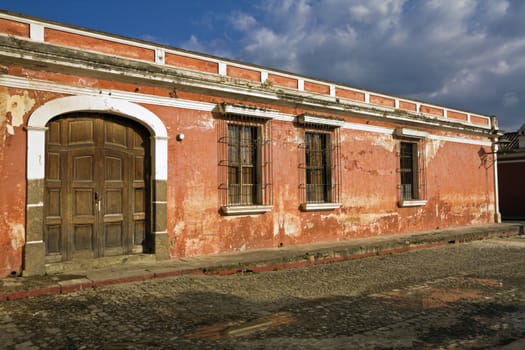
(467, 296)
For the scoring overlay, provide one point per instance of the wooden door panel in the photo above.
(53, 195)
(53, 239)
(115, 134)
(139, 233)
(83, 168)
(96, 193)
(113, 204)
(83, 203)
(81, 131)
(113, 235)
(83, 239)
(114, 169)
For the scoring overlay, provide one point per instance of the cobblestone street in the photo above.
(454, 297)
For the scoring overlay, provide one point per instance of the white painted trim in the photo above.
(34, 242)
(223, 69)
(24, 83)
(42, 115)
(405, 132)
(320, 206)
(300, 84)
(264, 76)
(160, 55)
(332, 90)
(36, 31)
(368, 128)
(460, 140)
(367, 97)
(35, 205)
(246, 209)
(415, 203)
(36, 144)
(226, 108)
(310, 119)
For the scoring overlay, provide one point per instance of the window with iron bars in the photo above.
(317, 167)
(244, 164)
(412, 189)
(320, 172)
(243, 170)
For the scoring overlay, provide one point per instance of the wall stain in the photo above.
(12, 110)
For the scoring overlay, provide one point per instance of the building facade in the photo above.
(114, 147)
(511, 167)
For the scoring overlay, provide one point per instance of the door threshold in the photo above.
(80, 266)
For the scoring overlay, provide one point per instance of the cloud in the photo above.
(510, 99)
(242, 21)
(465, 54)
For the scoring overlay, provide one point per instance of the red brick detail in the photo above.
(479, 120)
(431, 110)
(407, 106)
(73, 287)
(243, 73)
(94, 44)
(350, 94)
(191, 63)
(457, 115)
(125, 279)
(384, 101)
(22, 294)
(14, 28)
(49, 290)
(174, 273)
(317, 88)
(279, 80)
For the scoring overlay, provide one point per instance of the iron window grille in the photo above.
(319, 171)
(245, 164)
(412, 185)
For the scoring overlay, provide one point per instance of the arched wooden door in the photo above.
(96, 200)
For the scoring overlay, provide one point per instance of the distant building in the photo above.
(114, 149)
(511, 172)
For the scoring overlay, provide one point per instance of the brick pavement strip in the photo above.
(456, 296)
(260, 261)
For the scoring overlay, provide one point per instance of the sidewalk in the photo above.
(250, 261)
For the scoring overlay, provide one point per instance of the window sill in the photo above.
(246, 209)
(319, 206)
(414, 203)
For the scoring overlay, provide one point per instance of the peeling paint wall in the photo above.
(459, 184)
(15, 106)
(460, 187)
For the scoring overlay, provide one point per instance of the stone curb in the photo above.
(268, 260)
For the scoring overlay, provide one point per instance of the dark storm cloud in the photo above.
(465, 54)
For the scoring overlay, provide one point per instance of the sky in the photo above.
(464, 54)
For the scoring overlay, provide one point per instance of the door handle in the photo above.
(97, 200)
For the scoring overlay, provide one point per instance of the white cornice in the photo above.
(30, 84)
(40, 85)
(252, 111)
(411, 133)
(310, 119)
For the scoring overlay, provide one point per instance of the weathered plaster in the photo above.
(16, 107)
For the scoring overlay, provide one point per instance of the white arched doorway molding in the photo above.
(34, 253)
